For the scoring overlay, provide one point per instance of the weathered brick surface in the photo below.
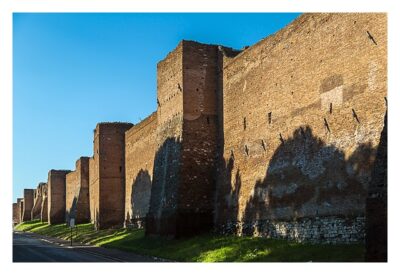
(140, 144)
(163, 204)
(56, 196)
(107, 175)
(18, 211)
(44, 210)
(278, 140)
(21, 208)
(77, 192)
(38, 201)
(16, 215)
(184, 166)
(93, 187)
(302, 114)
(28, 204)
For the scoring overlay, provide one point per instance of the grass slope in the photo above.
(203, 248)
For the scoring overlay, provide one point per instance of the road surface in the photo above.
(29, 247)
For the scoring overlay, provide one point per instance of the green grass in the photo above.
(203, 248)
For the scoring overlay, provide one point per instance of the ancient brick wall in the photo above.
(107, 175)
(21, 208)
(184, 174)
(37, 201)
(16, 215)
(28, 204)
(44, 210)
(199, 138)
(93, 187)
(56, 196)
(77, 192)
(161, 216)
(302, 114)
(71, 190)
(376, 208)
(140, 145)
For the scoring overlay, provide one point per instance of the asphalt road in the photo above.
(28, 247)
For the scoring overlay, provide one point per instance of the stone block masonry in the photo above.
(107, 175)
(140, 144)
(56, 196)
(28, 204)
(38, 201)
(77, 192)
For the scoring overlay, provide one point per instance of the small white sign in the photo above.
(72, 222)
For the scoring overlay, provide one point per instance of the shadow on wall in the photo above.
(71, 212)
(140, 199)
(231, 199)
(162, 216)
(376, 235)
(305, 178)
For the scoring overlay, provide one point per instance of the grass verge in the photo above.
(203, 248)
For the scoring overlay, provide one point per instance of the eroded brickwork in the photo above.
(184, 165)
(16, 215)
(38, 201)
(163, 200)
(302, 115)
(77, 192)
(44, 210)
(278, 140)
(140, 145)
(21, 208)
(28, 204)
(56, 196)
(107, 175)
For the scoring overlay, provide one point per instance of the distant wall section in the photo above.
(107, 175)
(140, 145)
(28, 204)
(77, 192)
(56, 196)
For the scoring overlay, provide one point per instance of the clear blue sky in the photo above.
(71, 71)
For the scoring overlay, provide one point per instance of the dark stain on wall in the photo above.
(331, 82)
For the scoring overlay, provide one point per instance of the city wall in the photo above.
(16, 214)
(184, 165)
(21, 208)
(44, 210)
(28, 204)
(107, 175)
(140, 145)
(77, 192)
(56, 196)
(38, 201)
(302, 115)
(276, 140)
